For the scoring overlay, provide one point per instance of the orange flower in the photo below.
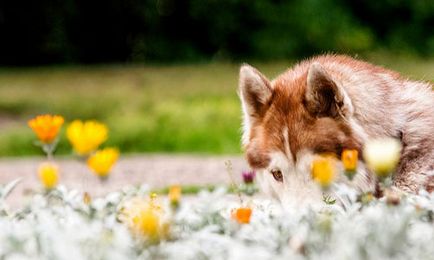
(242, 215)
(323, 172)
(174, 195)
(46, 127)
(349, 159)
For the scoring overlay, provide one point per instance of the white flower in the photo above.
(382, 155)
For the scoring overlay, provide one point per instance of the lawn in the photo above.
(148, 108)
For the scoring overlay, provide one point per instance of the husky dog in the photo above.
(327, 104)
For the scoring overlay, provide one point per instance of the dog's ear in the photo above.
(324, 96)
(255, 91)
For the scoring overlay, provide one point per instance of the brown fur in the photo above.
(384, 103)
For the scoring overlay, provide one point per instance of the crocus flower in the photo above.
(323, 171)
(48, 175)
(382, 155)
(85, 137)
(248, 176)
(242, 215)
(102, 161)
(46, 127)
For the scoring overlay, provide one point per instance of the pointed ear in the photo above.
(255, 90)
(324, 96)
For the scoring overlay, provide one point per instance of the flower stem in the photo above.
(231, 176)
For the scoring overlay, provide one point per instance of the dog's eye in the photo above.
(277, 174)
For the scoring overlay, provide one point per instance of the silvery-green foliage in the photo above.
(59, 225)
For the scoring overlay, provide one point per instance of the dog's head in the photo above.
(288, 122)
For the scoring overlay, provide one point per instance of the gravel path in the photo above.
(155, 170)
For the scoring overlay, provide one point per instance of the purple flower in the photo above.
(248, 176)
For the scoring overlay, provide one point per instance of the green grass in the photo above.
(176, 108)
(193, 189)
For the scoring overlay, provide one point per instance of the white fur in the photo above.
(297, 187)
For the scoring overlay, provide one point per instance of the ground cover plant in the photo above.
(151, 108)
(64, 224)
(137, 223)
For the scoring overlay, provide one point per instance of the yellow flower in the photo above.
(46, 127)
(382, 155)
(242, 215)
(102, 161)
(85, 137)
(174, 195)
(48, 175)
(323, 171)
(144, 218)
(86, 198)
(349, 159)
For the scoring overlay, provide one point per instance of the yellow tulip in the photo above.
(46, 127)
(323, 172)
(48, 175)
(85, 137)
(382, 155)
(102, 161)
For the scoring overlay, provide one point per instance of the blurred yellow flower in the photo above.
(48, 175)
(85, 137)
(242, 215)
(382, 155)
(323, 171)
(102, 161)
(349, 159)
(86, 198)
(144, 218)
(46, 127)
(174, 195)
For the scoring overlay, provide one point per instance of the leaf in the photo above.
(9, 188)
(329, 200)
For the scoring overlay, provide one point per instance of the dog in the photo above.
(327, 104)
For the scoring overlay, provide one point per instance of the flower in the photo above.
(48, 175)
(174, 195)
(46, 127)
(144, 218)
(85, 137)
(86, 198)
(242, 215)
(102, 161)
(349, 159)
(248, 176)
(323, 171)
(382, 155)
(366, 198)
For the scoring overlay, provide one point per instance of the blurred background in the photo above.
(163, 73)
